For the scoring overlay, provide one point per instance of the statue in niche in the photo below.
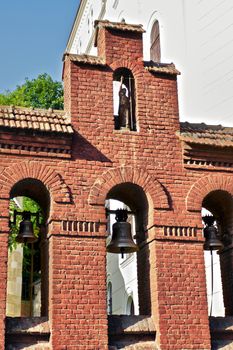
(124, 107)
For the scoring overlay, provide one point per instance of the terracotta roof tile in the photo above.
(161, 68)
(126, 27)
(85, 59)
(122, 26)
(215, 135)
(35, 119)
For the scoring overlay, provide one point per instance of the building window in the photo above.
(109, 301)
(155, 54)
(130, 306)
(88, 25)
(115, 4)
(79, 47)
(124, 100)
(92, 20)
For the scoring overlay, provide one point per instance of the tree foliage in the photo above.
(41, 92)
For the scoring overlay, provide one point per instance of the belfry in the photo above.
(73, 162)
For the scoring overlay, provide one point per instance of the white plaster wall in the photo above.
(123, 276)
(85, 29)
(217, 303)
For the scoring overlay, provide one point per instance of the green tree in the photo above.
(41, 92)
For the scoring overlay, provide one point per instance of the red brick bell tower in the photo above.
(145, 165)
(118, 138)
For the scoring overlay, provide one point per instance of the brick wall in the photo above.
(182, 300)
(177, 295)
(103, 159)
(78, 305)
(113, 45)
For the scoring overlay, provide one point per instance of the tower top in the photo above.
(117, 26)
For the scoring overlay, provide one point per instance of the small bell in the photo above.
(210, 233)
(122, 241)
(26, 234)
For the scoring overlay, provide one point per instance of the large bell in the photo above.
(26, 234)
(122, 241)
(210, 233)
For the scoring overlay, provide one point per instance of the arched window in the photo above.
(213, 282)
(88, 25)
(155, 53)
(219, 203)
(79, 46)
(130, 306)
(92, 19)
(130, 273)
(124, 100)
(109, 300)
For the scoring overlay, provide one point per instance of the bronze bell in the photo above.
(26, 234)
(122, 241)
(210, 233)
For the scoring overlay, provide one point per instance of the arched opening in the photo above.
(213, 278)
(130, 306)
(220, 204)
(27, 283)
(124, 100)
(155, 52)
(130, 271)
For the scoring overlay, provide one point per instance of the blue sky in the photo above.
(33, 38)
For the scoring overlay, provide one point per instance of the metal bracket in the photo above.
(109, 211)
(25, 214)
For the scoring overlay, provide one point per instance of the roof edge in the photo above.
(12, 109)
(85, 59)
(36, 119)
(161, 68)
(188, 126)
(122, 26)
(204, 134)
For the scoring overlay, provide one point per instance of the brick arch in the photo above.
(135, 68)
(205, 185)
(59, 191)
(152, 187)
